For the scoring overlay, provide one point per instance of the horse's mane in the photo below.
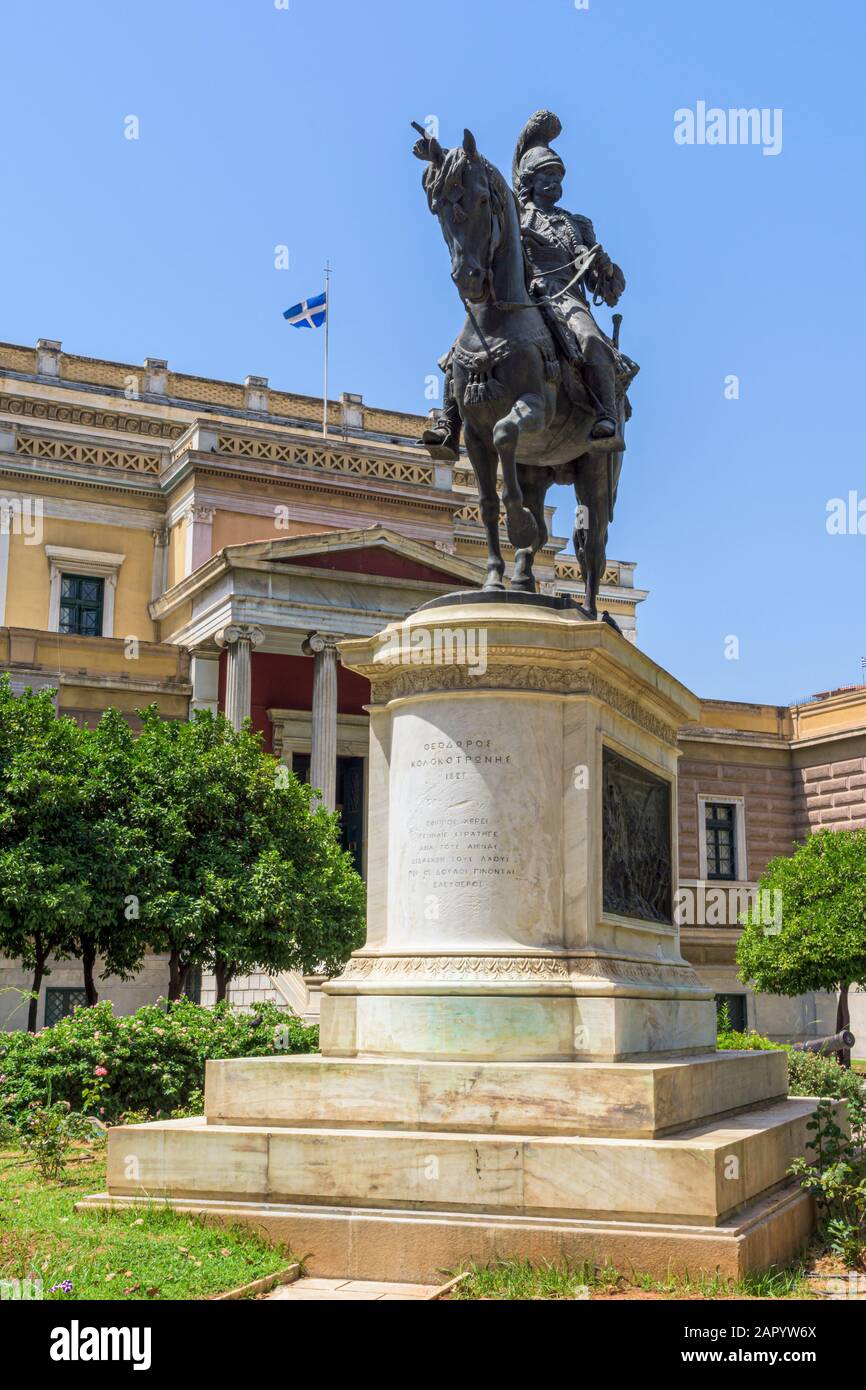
(440, 179)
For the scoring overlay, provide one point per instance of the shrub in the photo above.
(812, 1075)
(153, 1059)
(47, 1133)
(730, 1040)
(836, 1177)
(809, 1074)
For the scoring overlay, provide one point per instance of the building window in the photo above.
(721, 840)
(60, 1003)
(349, 801)
(734, 1015)
(81, 603)
(82, 589)
(192, 984)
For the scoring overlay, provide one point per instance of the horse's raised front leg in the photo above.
(482, 456)
(534, 485)
(527, 414)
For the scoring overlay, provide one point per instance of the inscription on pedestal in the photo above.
(454, 851)
(636, 841)
(475, 837)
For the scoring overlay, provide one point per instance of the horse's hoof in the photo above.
(524, 586)
(496, 584)
(522, 530)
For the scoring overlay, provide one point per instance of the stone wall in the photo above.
(762, 777)
(150, 984)
(830, 794)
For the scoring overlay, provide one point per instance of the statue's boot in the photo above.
(606, 433)
(442, 436)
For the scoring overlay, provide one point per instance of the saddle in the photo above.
(570, 361)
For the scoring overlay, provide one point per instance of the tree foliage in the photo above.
(245, 875)
(187, 840)
(44, 897)
(822, 941)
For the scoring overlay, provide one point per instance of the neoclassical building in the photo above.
(201, 544)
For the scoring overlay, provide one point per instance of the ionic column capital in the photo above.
(239, 632)
(318, 642)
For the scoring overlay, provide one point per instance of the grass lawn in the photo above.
(144, 1253)
(518, 1279)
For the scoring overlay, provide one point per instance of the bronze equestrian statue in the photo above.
(539, 389)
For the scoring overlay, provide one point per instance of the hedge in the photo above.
(153, 1060)
(809, 1074)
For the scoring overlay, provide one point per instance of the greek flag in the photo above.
(310, 313)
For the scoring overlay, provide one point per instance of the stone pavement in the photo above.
(311, 1290)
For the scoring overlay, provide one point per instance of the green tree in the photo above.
(822, 941)
(243, 875)
(43, 896)
(69, 857)
(117, 866)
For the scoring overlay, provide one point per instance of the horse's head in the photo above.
(468, 196)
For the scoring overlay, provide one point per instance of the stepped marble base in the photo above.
(363, 1243)
(638, 1100)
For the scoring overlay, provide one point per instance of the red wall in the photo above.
(374, 560)
(286, 682)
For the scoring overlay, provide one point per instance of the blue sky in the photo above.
(262, 126)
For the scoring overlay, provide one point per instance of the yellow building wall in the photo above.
(177, 553)
(29, 576)
(237, 528)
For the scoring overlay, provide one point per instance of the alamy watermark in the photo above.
(705, 905)
(736, 125)
(846, 516)
(441, 646)
(22, 516)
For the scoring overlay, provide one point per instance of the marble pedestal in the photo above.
(499, 925)
(519, 1061)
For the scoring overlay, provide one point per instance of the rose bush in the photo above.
(151, 1061)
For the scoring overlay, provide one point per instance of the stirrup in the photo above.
(441, 444)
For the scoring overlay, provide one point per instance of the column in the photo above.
(159, 574)
(239, 640)
(199, 535)
(323, 757)
(205, 681)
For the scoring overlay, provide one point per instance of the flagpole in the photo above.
(327, 326)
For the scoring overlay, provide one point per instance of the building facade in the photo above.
(202, 544)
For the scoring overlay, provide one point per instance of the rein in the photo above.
(550, 298)
(586, 263)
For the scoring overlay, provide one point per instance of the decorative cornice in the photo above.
(79, 451)
(574, 679)
(328, 460)
(32, 408)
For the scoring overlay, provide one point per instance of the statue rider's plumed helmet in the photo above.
(533, 152)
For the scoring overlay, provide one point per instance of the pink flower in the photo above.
(100, 1071)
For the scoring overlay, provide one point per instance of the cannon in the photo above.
(825, 1046)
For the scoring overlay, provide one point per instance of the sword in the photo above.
(617, 324)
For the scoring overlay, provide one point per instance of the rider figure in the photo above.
(554, 241)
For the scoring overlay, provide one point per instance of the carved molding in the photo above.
(36, 446)
(330, 460)
(554, 969)
(389, 684)
(28, 408)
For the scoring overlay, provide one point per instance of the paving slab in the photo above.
(351, 1290)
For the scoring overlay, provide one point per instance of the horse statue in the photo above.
(524, 397)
